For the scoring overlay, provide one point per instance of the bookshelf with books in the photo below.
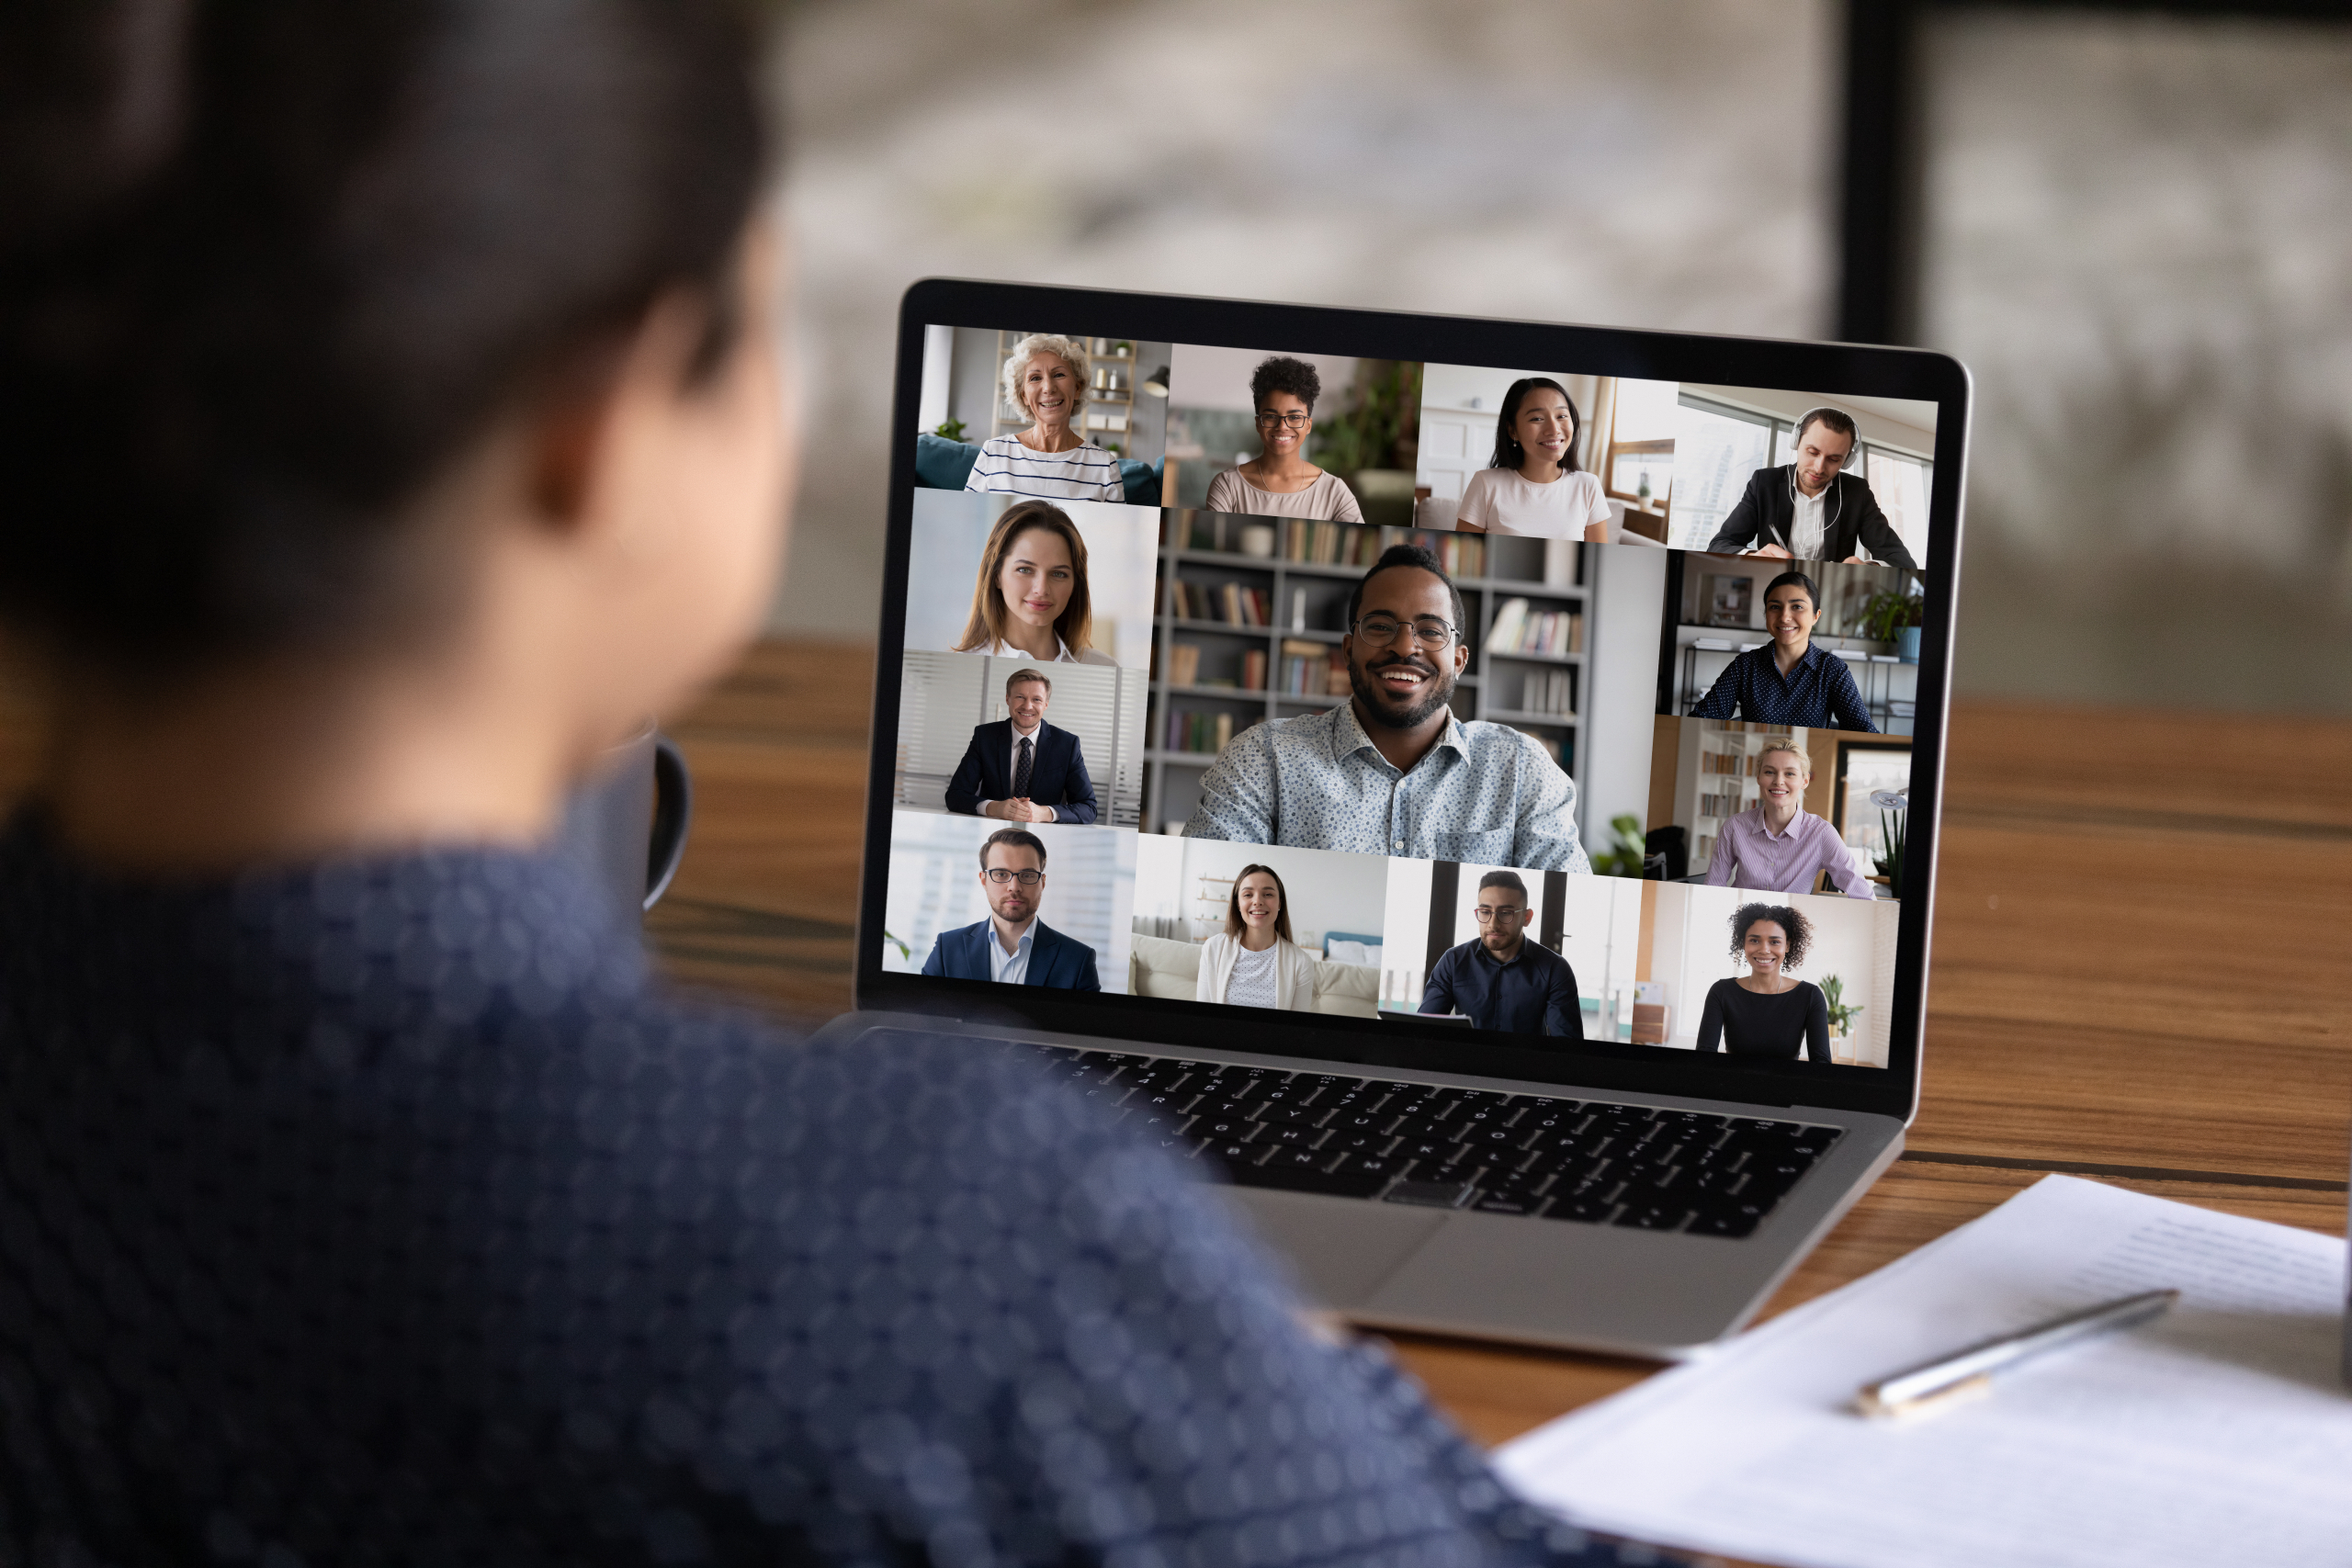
(1252, 610)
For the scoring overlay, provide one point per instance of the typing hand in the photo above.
(1771, 552)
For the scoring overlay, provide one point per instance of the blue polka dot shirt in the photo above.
(382, 1211)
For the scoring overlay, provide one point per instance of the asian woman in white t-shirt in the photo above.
(1533, 485)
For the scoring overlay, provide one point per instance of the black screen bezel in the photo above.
(1832, 370)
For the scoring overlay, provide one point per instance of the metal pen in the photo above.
(1968, 1374)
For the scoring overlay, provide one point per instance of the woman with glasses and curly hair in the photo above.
(1279, 481)
(1045, 377)
(1766, 1012)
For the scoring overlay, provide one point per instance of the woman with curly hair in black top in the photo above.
(1767, 1013)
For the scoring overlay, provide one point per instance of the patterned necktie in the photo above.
(1021, 771)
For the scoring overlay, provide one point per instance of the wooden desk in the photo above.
(2141, 968)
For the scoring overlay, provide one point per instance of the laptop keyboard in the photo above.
(1594, 1162)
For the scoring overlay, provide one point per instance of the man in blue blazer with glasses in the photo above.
(1013, 946)
(1021, 768)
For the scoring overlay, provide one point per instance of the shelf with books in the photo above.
(1302, 587)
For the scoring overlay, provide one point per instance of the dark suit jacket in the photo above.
(1054, 960)
(1851, 514)
(1057, 779)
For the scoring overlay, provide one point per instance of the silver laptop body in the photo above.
(1419, 1252)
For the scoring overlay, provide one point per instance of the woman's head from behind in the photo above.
(1033, 577)
(1258, 902)
(1539, 421)
(335, 337)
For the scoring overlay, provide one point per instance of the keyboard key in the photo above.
(1348, 1182)
(1430, 1194)
(1737, 1221)
(1655, 1215)
(1591, 1209)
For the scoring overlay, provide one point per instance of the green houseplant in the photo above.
(1892, 829)
(1626, 852)
(1841, 1016)
(949, 430)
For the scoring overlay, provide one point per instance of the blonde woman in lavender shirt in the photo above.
(1776, 845)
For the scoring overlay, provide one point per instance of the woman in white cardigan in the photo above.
(1253, 962)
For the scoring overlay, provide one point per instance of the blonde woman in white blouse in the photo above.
(1253, 962)
(1045, 377)
(1533, 485)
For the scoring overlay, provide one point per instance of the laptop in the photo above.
(1285, 721)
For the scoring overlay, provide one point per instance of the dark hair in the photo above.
(1413, 556)
(1233, 921)
(1018, 837)
(1838, 420)
(1510, 452)
(1074, 626)
(1283, 374)
(1024, 675)
(1504, 879)
(1798, 930)
(1795, 579)
(266, 269)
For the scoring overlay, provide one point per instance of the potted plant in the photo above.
(1889, 616)
(1841, 1016)
(1891, 830)
(1373, 443)
(1625, 855)
(949, 430)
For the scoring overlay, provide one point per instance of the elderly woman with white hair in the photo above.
(1046, 377)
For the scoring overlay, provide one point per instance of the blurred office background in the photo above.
(2133, 221)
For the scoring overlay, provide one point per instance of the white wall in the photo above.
(1328, 891)
(1201, 378)
(1620, 701)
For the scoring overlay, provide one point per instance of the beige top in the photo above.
(1504, 500)
(1326, 498)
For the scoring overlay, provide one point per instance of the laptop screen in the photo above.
(1550, 705)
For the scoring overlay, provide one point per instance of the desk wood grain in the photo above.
(2139, 974)
(2139, 969)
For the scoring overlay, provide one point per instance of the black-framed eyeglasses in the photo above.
(1427, 630)
(1292, 420)
(1000, 876)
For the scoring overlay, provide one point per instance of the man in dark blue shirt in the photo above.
(1502, 980)
(1789, 681)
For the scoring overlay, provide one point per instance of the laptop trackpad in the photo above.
(1341, 1248)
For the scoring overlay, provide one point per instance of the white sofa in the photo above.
(1157, 967)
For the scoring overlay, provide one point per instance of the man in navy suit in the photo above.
(1022, 769)
(1013, 946)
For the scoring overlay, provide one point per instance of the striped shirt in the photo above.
(1083, 473)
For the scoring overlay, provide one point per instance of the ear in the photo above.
(566, 436)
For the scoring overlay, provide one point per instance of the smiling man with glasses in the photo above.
(1013, 946)
(1392, 772)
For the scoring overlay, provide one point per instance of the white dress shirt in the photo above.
(1808, 531)
(1062, 655)
(1011, 968)
(1012, 762)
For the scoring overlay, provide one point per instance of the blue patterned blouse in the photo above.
(380, 1211)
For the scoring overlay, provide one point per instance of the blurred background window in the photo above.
(2132, 221)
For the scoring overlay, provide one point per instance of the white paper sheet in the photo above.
(2218, 1434)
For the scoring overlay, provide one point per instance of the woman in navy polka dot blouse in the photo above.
(393, 421)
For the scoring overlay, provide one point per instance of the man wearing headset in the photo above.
(1812, 509)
